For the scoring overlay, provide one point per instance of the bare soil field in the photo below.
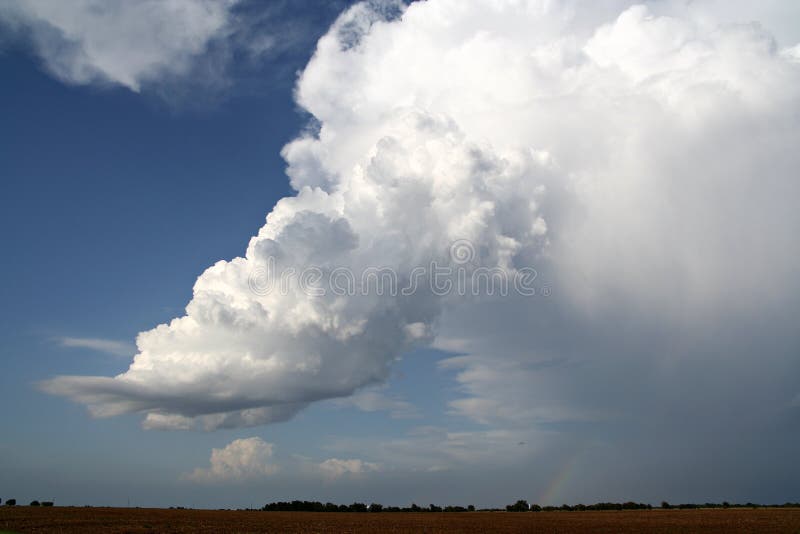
(24, 519)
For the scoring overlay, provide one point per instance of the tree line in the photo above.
(316, 506)
(523, 506)
(13, 502)
(519, 506)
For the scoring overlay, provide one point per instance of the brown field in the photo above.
(115, 520)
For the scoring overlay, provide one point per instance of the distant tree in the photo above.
(47, 503)
(726, 504)
(34, 503)
(665, 505)
(471, 508)
(454, 509)
(358, 507)
(375, 507)
(11, 502)
(415, 508)
(519, 506)
(434, 508)
(536, 508)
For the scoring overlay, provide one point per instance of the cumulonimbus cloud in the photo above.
(625, 151)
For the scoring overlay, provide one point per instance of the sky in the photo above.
(445, 252)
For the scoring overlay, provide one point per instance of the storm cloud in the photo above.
(641, 158)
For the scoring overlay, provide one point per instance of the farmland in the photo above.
(24, 519)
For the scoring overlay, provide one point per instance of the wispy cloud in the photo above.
(374, 400)
(334, 467)
(123, 43)
(109, 346)
(436, 448)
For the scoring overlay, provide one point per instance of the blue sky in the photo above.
(582, 141)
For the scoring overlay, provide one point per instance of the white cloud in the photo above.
(119, 42)
(334, 468)
(629, 154)
(240, 460)
(110, 346)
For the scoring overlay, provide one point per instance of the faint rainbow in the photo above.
(557, 483)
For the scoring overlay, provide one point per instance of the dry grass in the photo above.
(116, 520)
